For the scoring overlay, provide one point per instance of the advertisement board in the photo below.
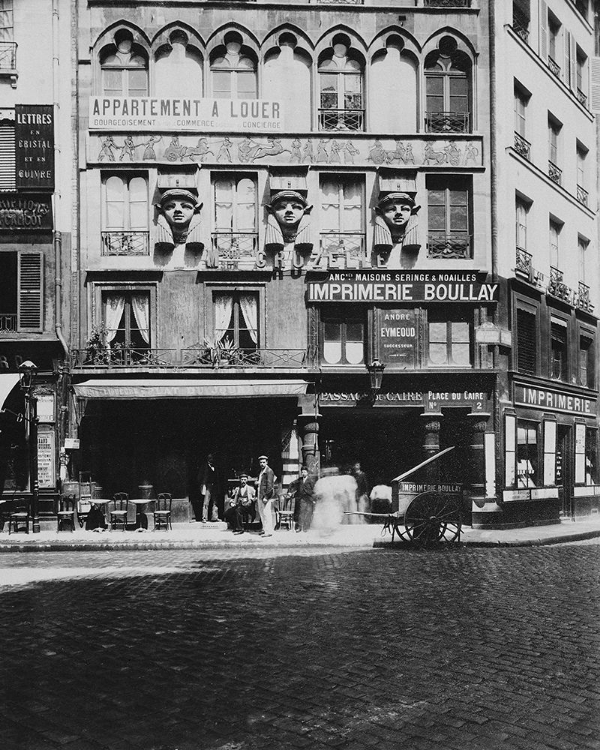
(34, 146)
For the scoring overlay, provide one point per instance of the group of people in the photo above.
(322, 503)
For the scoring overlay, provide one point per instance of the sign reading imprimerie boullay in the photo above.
(403, 286)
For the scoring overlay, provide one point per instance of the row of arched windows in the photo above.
(397, 87)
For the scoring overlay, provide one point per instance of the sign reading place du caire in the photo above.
(403, 286)
(154, 113)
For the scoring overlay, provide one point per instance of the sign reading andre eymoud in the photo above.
(403, 286)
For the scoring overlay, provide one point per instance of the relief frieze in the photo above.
(143, 148)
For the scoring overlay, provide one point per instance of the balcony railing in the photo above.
(557, 287)
(344, 250)
(8, 323)
(447, 122)
(520, 24)
(443, 246)
(341, 119)
(125, 243)
(554, 66)
(191, 357)
(554, 172)
(8, 55)
(582, 298)
(341, 2)
(522, 146)
(582, 195)
(232, 251)
(582, 97)
(524, 267)
(447, 3)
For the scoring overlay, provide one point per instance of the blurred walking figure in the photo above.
(381, 499)
(362, 491)
(335, 494)
(209, 489)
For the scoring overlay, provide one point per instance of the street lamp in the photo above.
(375, 369)
(27, 372)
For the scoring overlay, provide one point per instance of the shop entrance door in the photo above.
(564, 470)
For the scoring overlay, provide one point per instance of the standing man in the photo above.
(362, 488)
(303, 491)
(265, 495)
(209, 489)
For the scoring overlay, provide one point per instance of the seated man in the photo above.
(239, 508)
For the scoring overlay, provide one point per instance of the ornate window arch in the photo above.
(341, 87)
(124, 66)
(176, 49)
(448, 89)
(233, 69)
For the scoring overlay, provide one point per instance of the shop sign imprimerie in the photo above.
(403, 286)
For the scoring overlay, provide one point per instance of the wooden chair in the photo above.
(18, 520)
(86, 493)
(162, 511)
(118, 511)
(284, 512)
(66, 512)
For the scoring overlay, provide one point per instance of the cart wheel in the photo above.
(432, 518)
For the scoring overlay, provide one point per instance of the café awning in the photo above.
(7, 383)
(169, 389)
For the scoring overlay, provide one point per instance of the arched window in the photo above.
(124, 68)
(233, 73)
(448, 89)
(341, 105)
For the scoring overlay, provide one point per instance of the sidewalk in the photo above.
(216, 536)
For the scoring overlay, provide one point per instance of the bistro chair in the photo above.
(162, 511)
(66, 512)
(86, 493)
(284, 512)
(118, 511)
(18, 520)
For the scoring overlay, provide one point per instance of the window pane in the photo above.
(437, 354)
(245, 218)
(112, 82)
(354, 353)
(330, 206)
(221, 81)
(332, 345)
(437, 219)
(246, 84)
(115, 206)
(437, 333)
(435, 93)
(459, 219)
(352, 217)
(137, 82)
(223, 205)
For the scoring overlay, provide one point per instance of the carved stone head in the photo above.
(396, 210)
(288, 207)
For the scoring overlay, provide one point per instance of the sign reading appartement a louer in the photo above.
(34, 146)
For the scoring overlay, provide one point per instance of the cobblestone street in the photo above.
(245, 650)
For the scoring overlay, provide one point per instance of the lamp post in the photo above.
(27, 372)
(375, 369)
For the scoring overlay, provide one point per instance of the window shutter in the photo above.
(526, 342)
(568, 73)
(30, 291)
(7, 156)
(543, 24)
(573, 71)
(595, 76)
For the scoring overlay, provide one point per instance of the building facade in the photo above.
(35, 222)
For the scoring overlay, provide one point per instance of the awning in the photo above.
(164, 389)
(7, 383)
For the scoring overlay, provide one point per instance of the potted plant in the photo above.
(97, 350)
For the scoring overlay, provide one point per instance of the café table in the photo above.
(141, 519)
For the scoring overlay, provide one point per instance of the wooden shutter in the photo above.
(568, 72)
(543, 26)
(595, 80)
(30, 305)
(573, 71)
(526, 342)
(7, 156)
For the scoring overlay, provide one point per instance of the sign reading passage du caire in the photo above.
(153, 113)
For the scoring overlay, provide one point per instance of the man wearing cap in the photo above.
(240, 506)
(178, 220)
(396, 228)
(265, 496)
(302, 489)
(288, 224)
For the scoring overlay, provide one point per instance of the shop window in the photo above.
(235, 315)
(341, 104)
(342, 218)
(448, 217)
(558, 349)
(591, 455)
(449, 339)
(125, 215)
(447, 89)
(343, 337)
(233, 72)
(527, 454)
(127, 325)
(236, 211)
(124, 68)
(7, 155)
(21, 291)
(586, 361)
(526, 342)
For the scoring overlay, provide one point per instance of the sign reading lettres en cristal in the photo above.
(154, 113)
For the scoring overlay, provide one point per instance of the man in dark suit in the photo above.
(240, 506)
(265, 495)
(302, 489)
(208, 479)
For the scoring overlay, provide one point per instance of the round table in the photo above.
(141, 519)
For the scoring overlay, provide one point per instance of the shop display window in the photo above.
(591, 455)
(343, 338)
(527, 454)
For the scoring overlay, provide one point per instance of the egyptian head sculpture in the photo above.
(396, 226)
(288, 222)
(178, 220)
